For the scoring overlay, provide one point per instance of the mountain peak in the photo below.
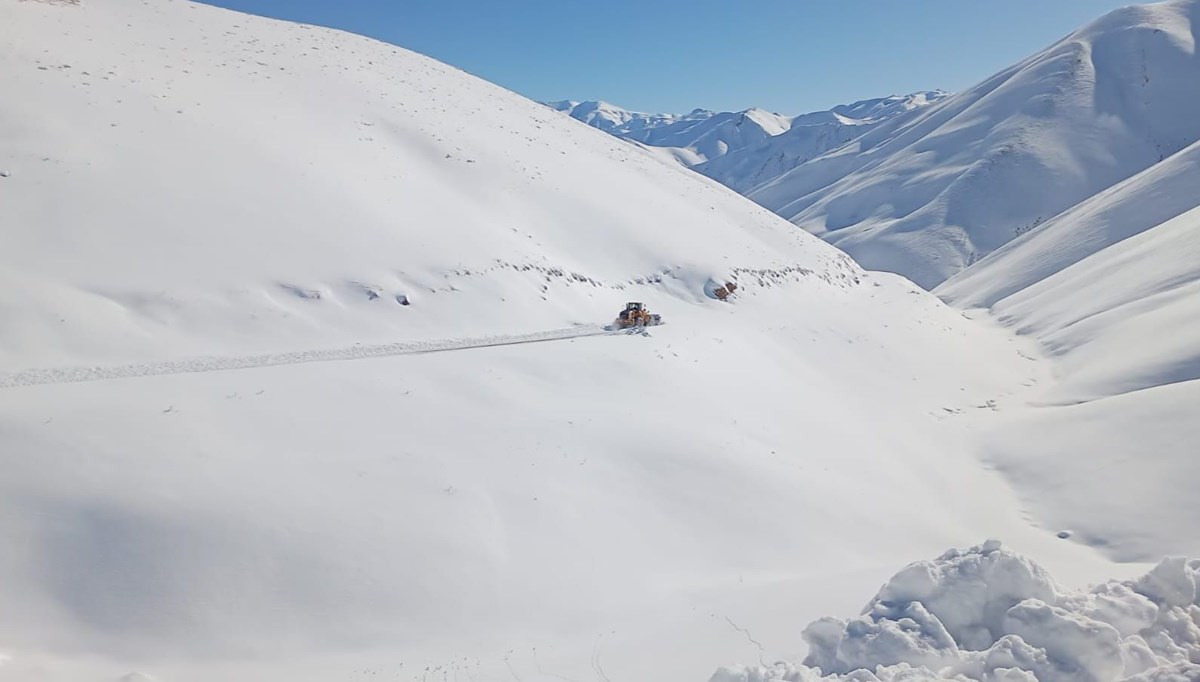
(702, 135)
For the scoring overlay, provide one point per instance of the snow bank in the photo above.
(990, 614)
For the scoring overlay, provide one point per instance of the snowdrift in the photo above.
(990, 614)
(928, 194)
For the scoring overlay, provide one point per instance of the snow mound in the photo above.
(928, 194)
(992, 615)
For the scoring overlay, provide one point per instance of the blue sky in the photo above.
(789, 56)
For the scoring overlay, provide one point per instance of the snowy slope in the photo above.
(1112, 289)
(1143, 202)
(926, 195)
(196, 209)
(232, 452)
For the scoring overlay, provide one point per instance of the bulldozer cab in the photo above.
(633, 305)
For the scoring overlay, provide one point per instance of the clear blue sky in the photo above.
(789, 56)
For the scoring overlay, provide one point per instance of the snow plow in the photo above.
(634, 315)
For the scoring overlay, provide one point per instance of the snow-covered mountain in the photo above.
(809, 136)
(688, 138)
(929, 193)
(207, 216)
(613, 119)
(1112, 288)
(701, 137)
(304, 375)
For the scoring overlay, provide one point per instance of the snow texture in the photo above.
(992, 615)
(198, 485)
(1111, 290)
(206, 214)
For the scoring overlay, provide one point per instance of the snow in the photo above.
(1109, 286)
(690, 138)
(881, 109)
(303, 376)
(1109, 289)
(739, 149)
(928, 193)
(810, 136)
(988, 613)
(1144, 201)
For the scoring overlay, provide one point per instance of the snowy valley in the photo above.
(307, 373)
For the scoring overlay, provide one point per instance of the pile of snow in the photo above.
(991, 615)
(929, 193)
(741, 149)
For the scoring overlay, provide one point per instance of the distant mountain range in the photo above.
(926, 184)
(699, 138)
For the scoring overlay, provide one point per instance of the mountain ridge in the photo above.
(701, 136)
(926, 195)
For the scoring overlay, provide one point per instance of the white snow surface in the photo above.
(1109, 286)
(990, 614)
(303, 376)
(1111, 290)
(929, 193)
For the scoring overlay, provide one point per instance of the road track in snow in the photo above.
(67, 375)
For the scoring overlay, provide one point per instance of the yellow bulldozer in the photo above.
(635, 314)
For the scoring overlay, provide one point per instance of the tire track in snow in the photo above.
(67, 375)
